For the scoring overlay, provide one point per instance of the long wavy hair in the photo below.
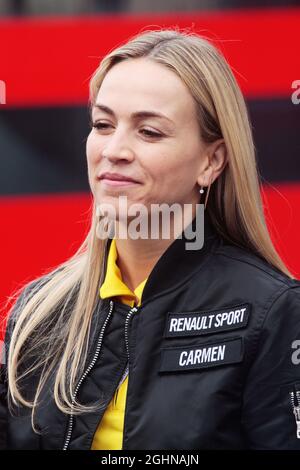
(53, 324)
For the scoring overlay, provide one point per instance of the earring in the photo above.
(201, 191)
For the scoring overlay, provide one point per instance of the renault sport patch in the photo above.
(227, 351)
(205, 322)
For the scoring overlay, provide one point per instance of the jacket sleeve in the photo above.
(271, 399)
(20, 302)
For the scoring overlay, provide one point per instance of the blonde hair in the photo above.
(59, 310)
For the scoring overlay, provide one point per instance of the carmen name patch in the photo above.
(203, 323)
(227, 351)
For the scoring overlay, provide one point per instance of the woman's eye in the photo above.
(151, 133)
(99, 125)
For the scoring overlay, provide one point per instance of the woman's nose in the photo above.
(118, 148)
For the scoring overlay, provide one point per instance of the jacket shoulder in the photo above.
(244, 264)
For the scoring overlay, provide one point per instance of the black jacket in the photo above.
(214, 359)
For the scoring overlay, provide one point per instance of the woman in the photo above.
(139, 342)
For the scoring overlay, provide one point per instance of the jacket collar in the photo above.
(113, 285)
(177, 264)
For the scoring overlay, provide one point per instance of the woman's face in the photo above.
(164, 154)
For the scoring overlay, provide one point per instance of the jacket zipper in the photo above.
(295, 400)
(87, 371)
(130, 313)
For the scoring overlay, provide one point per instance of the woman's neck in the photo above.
(137, 258)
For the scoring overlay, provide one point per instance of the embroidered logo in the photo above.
(203, 323)
(227, 351)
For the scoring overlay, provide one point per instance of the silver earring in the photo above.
(201, 190)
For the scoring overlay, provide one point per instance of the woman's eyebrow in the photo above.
(136, 114)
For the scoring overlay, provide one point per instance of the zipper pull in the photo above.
(296, 410)
(297, 417)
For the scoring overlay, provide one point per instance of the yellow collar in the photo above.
(113, 284)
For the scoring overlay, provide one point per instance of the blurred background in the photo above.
(48, 51)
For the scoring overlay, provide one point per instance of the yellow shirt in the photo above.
(109, 434)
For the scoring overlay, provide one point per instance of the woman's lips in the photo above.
(110, 182)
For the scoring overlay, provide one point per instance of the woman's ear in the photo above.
(216, 153)
(218, 158)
